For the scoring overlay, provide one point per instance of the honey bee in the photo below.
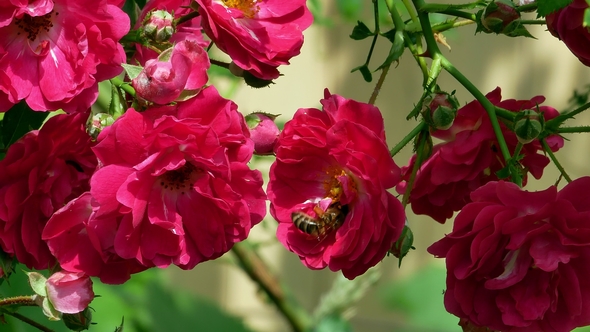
(326, 222)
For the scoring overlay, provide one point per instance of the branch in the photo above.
(259, 272)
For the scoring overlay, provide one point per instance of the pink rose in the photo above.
(40, 173)
(259, 36)
(68, 292)
(333, 169)
(182, 68)
(470, 156)
(54, 53)
(566, 24)
(518, 260)
(174, 188)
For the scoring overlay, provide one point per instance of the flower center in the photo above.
(180, 180)
(248, 7)
(338, 183)
(32, 26)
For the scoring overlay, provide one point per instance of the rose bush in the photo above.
(336, 157)
(519, 260)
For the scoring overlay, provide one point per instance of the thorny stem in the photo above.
(259, 272)
(547, 150)
(442, 27)
(407, 139)
(26, 300)
(30, 322)
(573, 130)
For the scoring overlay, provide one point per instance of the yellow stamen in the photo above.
(248, 7)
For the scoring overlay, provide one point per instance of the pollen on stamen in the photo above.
(33, 25)
(178, 180)
(248, 7)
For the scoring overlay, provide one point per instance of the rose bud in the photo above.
(158, 26)
(263, 131)
(69, 292)
(403, 245)
(498, 16)
(441, 110)
(79, 321)
(528, 126)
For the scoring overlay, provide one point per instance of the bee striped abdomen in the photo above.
(306, 223)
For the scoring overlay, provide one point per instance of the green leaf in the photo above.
(19, 120)
(132, 70)
(364, 69)
(546, 7)
(361, 31)
(396, 51)
(586, 22)
(349, 9)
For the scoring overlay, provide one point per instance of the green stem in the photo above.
(558, 120)
(533, 22)
(441, 27)
(573, 130)
(505, 114)
(29, 321)
(408, 138)
(410, 9)
(259, 272)
(547, 150)
(487, 105)
(125, 86)
(458, 13)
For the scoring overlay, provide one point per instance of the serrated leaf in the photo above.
(19, 120)
(132, 70)
(364, 69)
(546, 7)
(361, 31)
(518, 30)
(396, 51)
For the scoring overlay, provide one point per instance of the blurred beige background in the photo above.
(522, 67)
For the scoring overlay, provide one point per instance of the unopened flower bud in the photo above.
(528, 125)
(263, 131)
(158, 26)
(443, 117)
(79, 321)
(441, 110)
(498, 16)
(99, 122)
(403, 245)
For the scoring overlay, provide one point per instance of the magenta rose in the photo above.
(183, 67)
(40, 173)
(53, 53)
(567, 25)
(334, 163)
(259, 36)
(174, 187)
(470, 156)
(519, 260)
